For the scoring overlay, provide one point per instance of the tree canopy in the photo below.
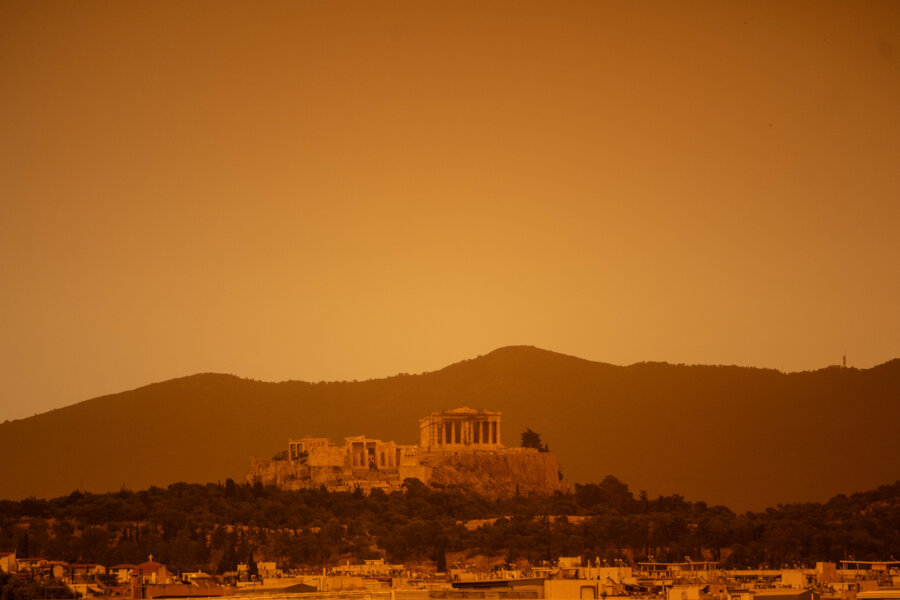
(532, 439)
(213, 527)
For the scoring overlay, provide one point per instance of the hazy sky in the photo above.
(340, 190)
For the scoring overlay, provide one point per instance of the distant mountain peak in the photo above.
(525, 350)
(528, 354)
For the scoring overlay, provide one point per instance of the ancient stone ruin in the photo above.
(459, 447)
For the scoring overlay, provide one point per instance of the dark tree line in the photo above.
(213, 527)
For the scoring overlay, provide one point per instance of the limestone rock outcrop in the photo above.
(497, 474)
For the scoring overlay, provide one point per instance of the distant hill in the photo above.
(744, 437)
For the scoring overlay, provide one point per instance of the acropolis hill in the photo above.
(459, 447)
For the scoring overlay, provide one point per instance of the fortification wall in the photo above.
(494, 473)
(286, 474)
(327, 456)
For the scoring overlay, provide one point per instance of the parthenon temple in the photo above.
(460, 428)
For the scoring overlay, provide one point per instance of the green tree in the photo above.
(531, 439)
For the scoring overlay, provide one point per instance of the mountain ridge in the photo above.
(213, 375)
(706, 430)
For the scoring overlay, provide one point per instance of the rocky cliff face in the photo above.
(501, 473)
(285, 474)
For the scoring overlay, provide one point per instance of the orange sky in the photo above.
(340, 190)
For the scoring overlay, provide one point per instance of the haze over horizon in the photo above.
(320, 191)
